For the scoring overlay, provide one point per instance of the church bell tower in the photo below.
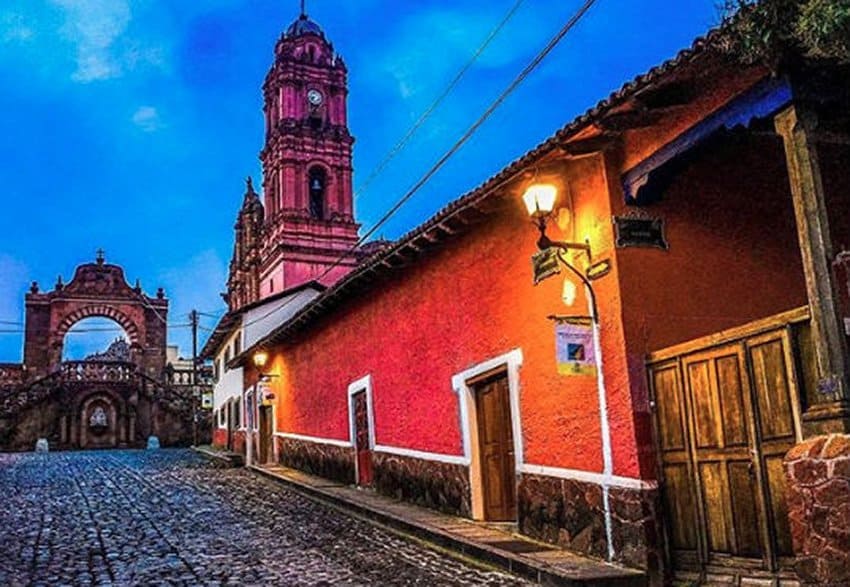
(308, 227)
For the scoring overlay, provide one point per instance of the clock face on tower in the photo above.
(315, 97)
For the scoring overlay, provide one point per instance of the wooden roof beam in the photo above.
(590, 145)
(629, 120)
(672, 95)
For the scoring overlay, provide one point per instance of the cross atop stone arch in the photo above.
(100, 290)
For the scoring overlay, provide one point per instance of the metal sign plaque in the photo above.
(598, 269)
(640, 232)
(545, 264)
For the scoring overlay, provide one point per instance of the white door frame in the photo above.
(509, 362)
(364, 384)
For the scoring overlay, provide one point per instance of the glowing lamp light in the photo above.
(540, 199)
(260, 359)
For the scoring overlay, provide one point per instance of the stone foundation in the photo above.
(431, 484)
(571, 514)
(818, 495)
(564, 512)
(324, 460)
(636, 527)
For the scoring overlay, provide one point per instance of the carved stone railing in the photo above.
(11, 374)
(180, 378)
(97, 371)
(183, 399)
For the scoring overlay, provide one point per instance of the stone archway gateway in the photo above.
(97, 290)
(104, 401)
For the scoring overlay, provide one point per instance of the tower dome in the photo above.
(304, 26)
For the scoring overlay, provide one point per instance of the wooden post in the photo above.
(829, 410)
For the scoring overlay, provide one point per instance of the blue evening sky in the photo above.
(131, 124)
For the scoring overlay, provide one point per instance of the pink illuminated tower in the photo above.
(306, 229)
(309, 215)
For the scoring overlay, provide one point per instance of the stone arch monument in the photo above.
(105, 401)
(97, 290)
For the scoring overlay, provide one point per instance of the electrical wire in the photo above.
(521, 77)
(436, 103)
(84, 330)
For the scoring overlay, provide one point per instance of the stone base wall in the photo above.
(636, 528)
(431, 484)
(324, 460)
(571, 514)
(818, 498)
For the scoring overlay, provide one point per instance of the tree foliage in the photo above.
(771, 31)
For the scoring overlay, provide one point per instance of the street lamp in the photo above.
(540, 199)
(260, 359)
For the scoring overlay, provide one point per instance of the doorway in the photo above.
(726, 414)
(266, 415)
(362, 442)
(497, 459)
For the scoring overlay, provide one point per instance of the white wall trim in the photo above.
(314, 439)
(590, 477)
(511, 361)
(423, 455)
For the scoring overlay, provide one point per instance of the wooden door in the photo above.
(777, 408)
(722, 434)
(361, 435)
(725, 417)
(496, 448)
(265, 434)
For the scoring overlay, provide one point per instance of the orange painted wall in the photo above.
(733, 258)
(470, 301)
(734, 255)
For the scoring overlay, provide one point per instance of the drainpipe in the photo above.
(604, 427)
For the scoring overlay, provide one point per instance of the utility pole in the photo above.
(193, 319)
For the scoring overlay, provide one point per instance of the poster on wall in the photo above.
(574, 348)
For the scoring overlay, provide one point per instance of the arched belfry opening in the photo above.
(317, 185)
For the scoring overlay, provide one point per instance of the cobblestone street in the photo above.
(169, 517)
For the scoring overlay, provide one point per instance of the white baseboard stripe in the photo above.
(426, 456)
(314, 439)
(589, 477)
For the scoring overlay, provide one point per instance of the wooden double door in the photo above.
(725, 417)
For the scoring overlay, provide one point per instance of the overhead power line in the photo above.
(436, 103)
(521, 77)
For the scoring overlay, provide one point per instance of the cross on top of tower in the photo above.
(303, 8)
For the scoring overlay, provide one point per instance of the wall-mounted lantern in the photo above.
(540, 200)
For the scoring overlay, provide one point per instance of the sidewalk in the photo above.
(543, 563)
(223, 458)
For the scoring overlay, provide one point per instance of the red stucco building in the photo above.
(646, 424)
